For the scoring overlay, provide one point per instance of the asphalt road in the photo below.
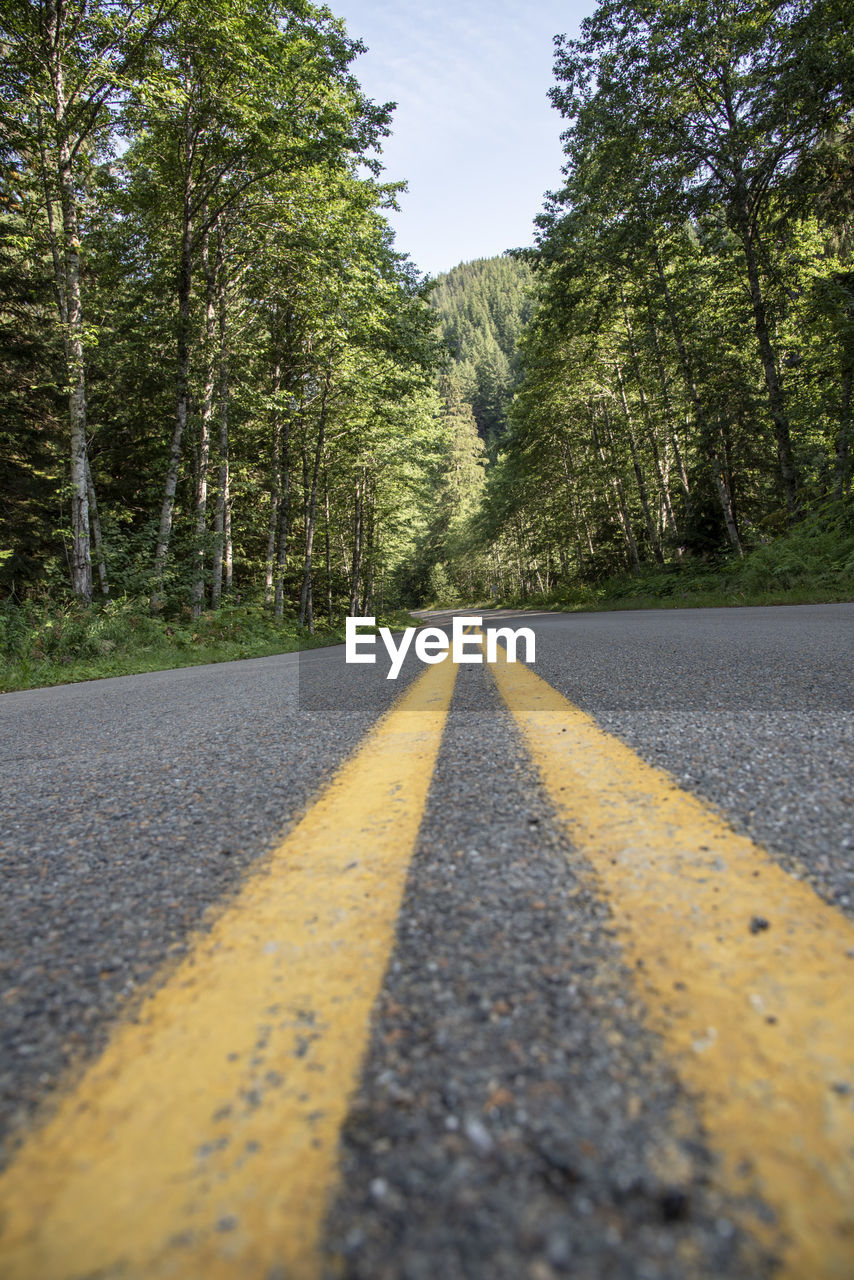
(518, 1111)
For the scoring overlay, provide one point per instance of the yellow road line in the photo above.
(203, 1142)
(760, 1020)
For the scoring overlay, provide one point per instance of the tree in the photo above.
(240, 284)
(703, 94)
(65, 62)
(243, 93)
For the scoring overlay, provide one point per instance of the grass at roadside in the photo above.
(46, 646)
(811, 563)
(692, 596)
(43, 645)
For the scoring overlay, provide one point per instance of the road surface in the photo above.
(484, 973)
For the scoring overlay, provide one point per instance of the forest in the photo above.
(681, 397)
(218, 371)
(226, 388)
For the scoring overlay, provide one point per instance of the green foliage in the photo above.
(257, 358)
(441, 592)
(483, 307)
(30, 379)
(813, 561)
(42, 645)
(256, 369)
(818, 553)
(685, 373)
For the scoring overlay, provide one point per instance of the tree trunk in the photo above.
(60, 297)
(344, 558)
(222, 512)
(329, 605)
(284, 519)
(68, 296)
(167, 508)
(357, 550)
(578, 517)
(520, 572)
(785, 457)
(58, 30)
(843, 440)
(275, 472)
(649, 425)
(497, 569)
(670, 417)
(639, 476)
(81, 556)
(229, 555)
(96, 531)
(699, 410)
(619, 493)
(306, 612)
(367, 609)
(58, 269)
(210, 273)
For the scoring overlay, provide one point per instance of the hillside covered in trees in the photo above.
(483, 308)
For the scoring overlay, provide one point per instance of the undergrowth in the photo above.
(811, 563)
(43, 644)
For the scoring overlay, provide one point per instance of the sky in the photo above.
(474, 134)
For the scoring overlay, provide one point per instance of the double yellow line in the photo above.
(203, 1141)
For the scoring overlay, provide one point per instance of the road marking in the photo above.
(203, 1142)
(760, 1020)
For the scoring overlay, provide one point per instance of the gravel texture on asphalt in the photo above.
(515, 1120)
(130, 807)
(751, 708)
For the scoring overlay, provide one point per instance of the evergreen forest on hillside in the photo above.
(225, 388)
(483, 308)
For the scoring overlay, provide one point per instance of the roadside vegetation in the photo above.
(811, 563)
(216, 370)
(44, 645)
